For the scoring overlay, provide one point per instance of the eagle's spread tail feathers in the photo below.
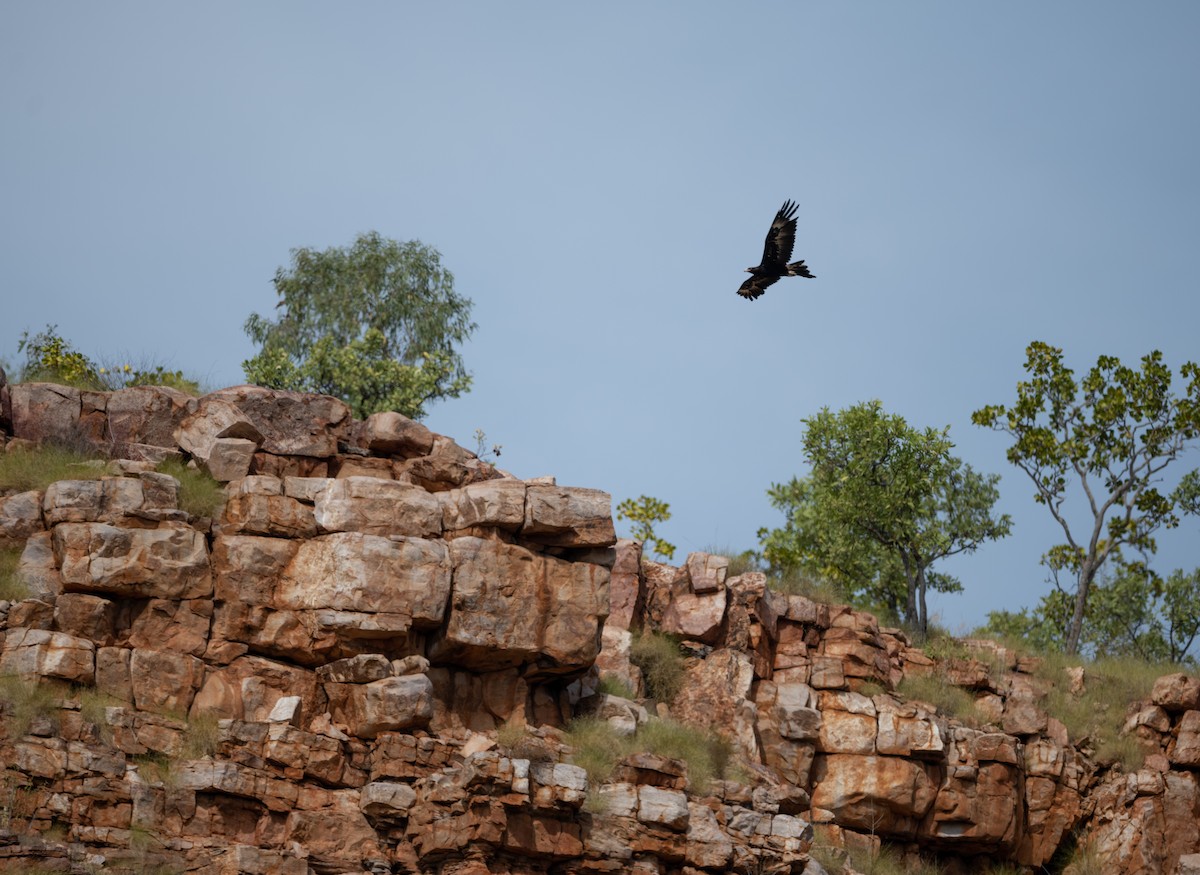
(799, 268)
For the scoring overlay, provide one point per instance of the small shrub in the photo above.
(662, 665)
(12, 587)
(51, 359)
(35, 469)
(199, 494)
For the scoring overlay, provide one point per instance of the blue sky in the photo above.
(971, 177)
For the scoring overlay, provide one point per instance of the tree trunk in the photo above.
(1087, 573)
(923, 621)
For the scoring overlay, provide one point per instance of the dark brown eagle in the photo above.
(776, 252)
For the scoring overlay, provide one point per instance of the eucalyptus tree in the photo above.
(1111, 434)
(891, 500)
(377, 324)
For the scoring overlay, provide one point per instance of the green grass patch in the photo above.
(820, 591)
(12, 587)
(23, 701)
(946, 697)
(1098, 712)
(611, 685)
(597, 748)
(25, 470)
(199, 494)
(662, 665)
(92, 705)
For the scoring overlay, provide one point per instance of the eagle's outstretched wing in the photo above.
(781, 239)
(756, 285)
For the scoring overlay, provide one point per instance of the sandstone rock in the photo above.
(883, 795)
(568, 517)
(360, 585)
(716, 695)
(614, 662)
(1186, 751)
(229, 459)
(905, 729)
(627, 590)
(696, 617)
(166, 624)
(37, 567)
(707, 572)
(513, 607)
(377, 507)
(113, 672)
(214, 419)
(256, 505)
(447, 466)
(389, 705)
(20, 517)
(667, 808)
(167, 562)
(291, 423)
(46, 411)
(708, 846)
(492, 504)
(389, 433)
(37, 653)
(848, 723)
(557, 785)
(150, 497)
(141, 418)
(1177, 693)
(164, 680)
(387, 799)
(5, 404)
(86, 616)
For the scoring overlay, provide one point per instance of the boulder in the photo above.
(564, 516)
(290, 423)
(167, 562)
(514, 607)
(386, 705)
(37, 653)
(377, 507)
(20, 517)
(876, 794)
(142, 420)
(391, 434)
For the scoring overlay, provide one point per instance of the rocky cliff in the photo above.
(364, 661)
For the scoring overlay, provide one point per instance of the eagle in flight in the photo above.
(776, 252)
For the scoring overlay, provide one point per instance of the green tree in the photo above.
(1112, 432)
(645, 513)
(1131, 612)
(811, 543)
(877, 481)
(376, 324)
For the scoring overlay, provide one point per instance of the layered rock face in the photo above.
(321, 678)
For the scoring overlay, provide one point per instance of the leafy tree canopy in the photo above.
(1111, 433)
(884, 502)
(376, 324)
